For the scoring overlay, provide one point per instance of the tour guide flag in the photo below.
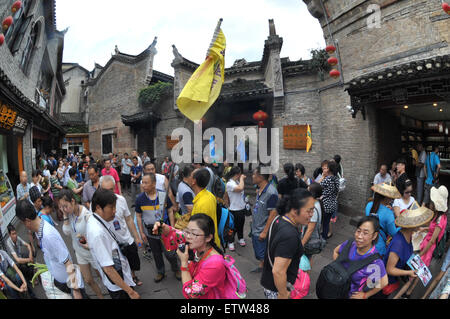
(203, 88)
(308, 139)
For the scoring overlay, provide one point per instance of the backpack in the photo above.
(342, 181)
(335, 279)
(225, 225)
(439, 251)
(237, 285)
(218, 187)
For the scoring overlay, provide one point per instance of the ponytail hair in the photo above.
(296, 200)
(206, 224)
(235, 170)
(289, 169)
(377, 199)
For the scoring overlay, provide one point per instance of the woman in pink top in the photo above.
(204, 277)
(109, 170)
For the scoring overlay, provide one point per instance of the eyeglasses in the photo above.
(188, 232)
(409, 193)
(364, 233)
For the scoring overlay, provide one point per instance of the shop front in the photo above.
(13, 124)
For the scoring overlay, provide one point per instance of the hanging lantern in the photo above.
(7, 22)
(2, 39)
(332, 61)
(16, 6)
(330, 49)
(260, 117)
(335, 73)
(446, 7)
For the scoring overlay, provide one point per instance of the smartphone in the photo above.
(182, 248)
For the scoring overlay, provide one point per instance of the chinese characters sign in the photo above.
(9, 120)
(294, 137)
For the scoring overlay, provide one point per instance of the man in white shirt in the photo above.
(113, 265)
(382, 176)
(67, 277)
(135, 153)
(123, 226)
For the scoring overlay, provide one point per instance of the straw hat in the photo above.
(414, 217)
(387, 190)
(439, 197)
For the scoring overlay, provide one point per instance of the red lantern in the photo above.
(7, 22)
(335, 73)
(332, 61)
(2, 39)
(16, 6)
(260, 117)
(330, 49)
(446, 7)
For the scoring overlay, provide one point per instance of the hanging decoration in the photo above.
(335, 73)
(333, 61)
(330, 49)
(7, 22)
(446, 7)
(16, 6)
(260, 117)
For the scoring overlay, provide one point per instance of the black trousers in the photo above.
(125, 180)
(158, 250)
(118, 294)
(239, 221)
(27, 271)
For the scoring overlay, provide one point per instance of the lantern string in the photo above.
(326, 20)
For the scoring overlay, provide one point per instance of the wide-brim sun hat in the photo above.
(439, 197)
(387, 190)
(414, 217)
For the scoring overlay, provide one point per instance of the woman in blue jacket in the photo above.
(384, 194)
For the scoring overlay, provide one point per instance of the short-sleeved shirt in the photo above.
(401, 204)
(5, 262)
(150, 209)
(360, 277)
(205, 203)
(264, 203)
(88, 192)
(420, 172)
(136, 170)
(330, 187)
(285, 242)
(386, 218)
(56, 254)
(431, 162)
(125, 168)
(401, 180)
(19, 248)
(54, 181)
(47, 218)
(237, 201)
(380, 179)
(71, 184)
(185, 197)
(316, 218)
(23, 190)
(112, 172)
(106, 251)
(402, 249)
(119, 224)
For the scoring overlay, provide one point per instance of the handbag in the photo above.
(315, 247)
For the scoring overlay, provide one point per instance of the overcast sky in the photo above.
(95, 27)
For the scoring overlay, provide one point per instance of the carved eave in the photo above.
(315, 8)
(179, 60)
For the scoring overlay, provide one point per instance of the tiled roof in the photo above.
(72, 119)
(242, 87)
(140, 118)
(408, 71)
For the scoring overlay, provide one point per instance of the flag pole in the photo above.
(216, 34)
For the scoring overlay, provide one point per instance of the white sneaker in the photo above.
(231, 247)
(242, 242)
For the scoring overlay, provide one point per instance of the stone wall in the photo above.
(73, 99)
(114, 94)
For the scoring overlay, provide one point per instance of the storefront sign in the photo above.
(171, 143)
(294, 137)
(10, 120)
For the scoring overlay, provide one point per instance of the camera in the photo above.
(182, 248)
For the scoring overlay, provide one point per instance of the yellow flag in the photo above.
(308, 139)
(204, 86)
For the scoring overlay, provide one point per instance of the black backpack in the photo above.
(218, 187)
(335, 279)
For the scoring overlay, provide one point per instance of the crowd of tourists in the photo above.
(193, 214)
